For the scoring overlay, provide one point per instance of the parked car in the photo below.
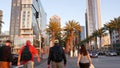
(93, 54)
(14, 59)
(101, 53)
(111, 53)
(1, 45)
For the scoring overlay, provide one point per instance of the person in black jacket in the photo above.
(56, 56)
(5, 55)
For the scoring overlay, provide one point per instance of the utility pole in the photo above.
(1, 20)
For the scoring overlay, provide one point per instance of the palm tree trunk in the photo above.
(96, 43)
(53, 38)
(71, 43)
(100, 42)
(71, 39)
(67, 45)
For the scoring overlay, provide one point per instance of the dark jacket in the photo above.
(5, 54)
(52, 56)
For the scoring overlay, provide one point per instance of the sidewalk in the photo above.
(71, 63)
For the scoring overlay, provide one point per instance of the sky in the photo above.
(66, 10)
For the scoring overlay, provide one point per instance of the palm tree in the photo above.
(116, 23)
(95, 35)
(101, 33)
(70, 28)
(53, 30)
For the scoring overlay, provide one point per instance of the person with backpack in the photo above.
(26, 55)
(56, 56)
(5, 55)
(84, 60)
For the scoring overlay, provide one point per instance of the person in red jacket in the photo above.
(28, 63)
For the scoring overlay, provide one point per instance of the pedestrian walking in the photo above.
(56, 56)
(5, 55)
(84, 59)
(26, 55)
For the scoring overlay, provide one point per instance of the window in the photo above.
(24, 12)
(113, 37)
(23, 19)
(23, 26)
(16, 32)
(27, 24)
(24, 5)
(29, 6)
(18, 4)
(28, 12)
(23, 15)
(116, 36)
(28, 15)
(12, 31)
(17, 25)
(117, 41)
(23, 23)
(14, 4)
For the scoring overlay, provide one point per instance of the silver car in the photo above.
(111, 53)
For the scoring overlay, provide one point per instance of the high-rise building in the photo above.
(1, 14)
(25, 21)
(93, 19)
(93, 16)
(43, 20)
(83, 33)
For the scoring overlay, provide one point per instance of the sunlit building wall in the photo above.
(93, 19)
(83, 33)
(93, 16)
(25, 21)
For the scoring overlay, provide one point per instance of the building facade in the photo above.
(1, 14)
(93, 16)
(4, 36)
(43, 20)
(83, 33)
(93, 19)
(25, 22)
(115, 37)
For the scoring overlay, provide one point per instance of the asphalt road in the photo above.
(107, 62)
(100, 62)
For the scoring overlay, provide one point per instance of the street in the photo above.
(100, 62)
(107, 62)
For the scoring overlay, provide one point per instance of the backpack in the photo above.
(26, 54)
(58, 54)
